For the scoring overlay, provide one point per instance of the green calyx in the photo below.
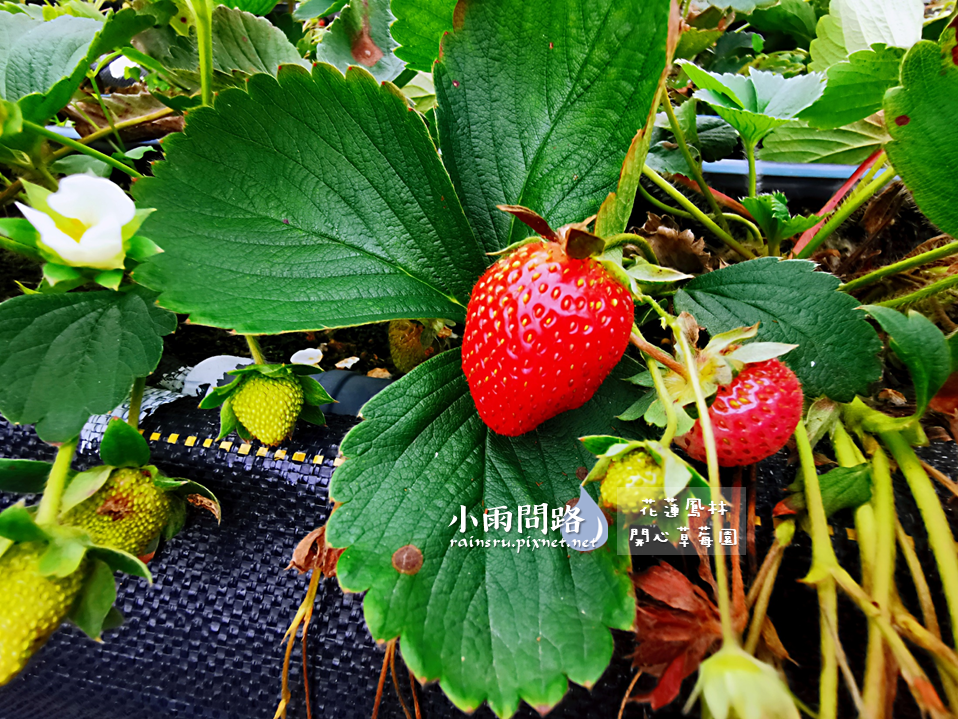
(264, 401)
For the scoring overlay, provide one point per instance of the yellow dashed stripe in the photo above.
(244, 448)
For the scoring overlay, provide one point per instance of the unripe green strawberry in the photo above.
(127, 513)
(268, 407)
(31, 606)
(631, 480)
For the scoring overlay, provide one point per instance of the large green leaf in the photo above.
(756, 104)
(64, 357)
(313, 201)
(921, 119)
(855, 87)
(538, 104)
(921, 346)
(837, 353)
(491, 624)
(243, 44)
(419, 26)
(797, 142)
(360, 36)
(896, 23)
(792, 17)
(43, 63)
(854, 25)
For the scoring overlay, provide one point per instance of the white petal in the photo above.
(41, 221)
(51, 236)
(91, 200)
(307, 356)
(102, 246)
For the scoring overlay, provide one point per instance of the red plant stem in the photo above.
(836, 199)
(723, 199)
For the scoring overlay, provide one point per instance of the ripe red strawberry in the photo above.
(543, 330)
(753, 416)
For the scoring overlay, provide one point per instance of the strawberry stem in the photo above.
(882, 578)
(693, 165)
(824, 563)
(254, 349)
(671, 419)
(655, 353)
(136, 402)
(844, 212)
(896, 267)
(49, 508)
(700, 216)
(939, 532)
(918, 295)
(873, 549)
(765, 583)
(729, 637)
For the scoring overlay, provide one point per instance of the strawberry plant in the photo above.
(403, 166)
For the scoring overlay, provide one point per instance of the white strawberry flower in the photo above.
(87, 222)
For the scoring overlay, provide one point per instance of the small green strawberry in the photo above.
(268, 407)
(265, 401)
(127, 513)
(31, 606)
(632, 479)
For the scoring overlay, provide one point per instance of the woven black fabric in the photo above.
(204, 641)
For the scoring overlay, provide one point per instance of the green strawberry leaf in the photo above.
(64, 357)
(694, 41)
(92, 611)
(329, 200)
(360, 36)
(424, 459)
(43, 63)
(312, 414)
(538, 105)
(318, 8)
(256, 7)
(419, 26)
(229, 422)
(123, 446)
(23, 476)
(17, 524)
(18, 235)
(121, 562)
(855, 87)
(921, 346)
(638, 408)
(771, 214)
(795, 18)
(177, 519)
(83, 486)
(757, 104)
(850, 145)
(920, 117)
(837, 353)
(743, 6)
(243, 44)
(218, 395)
(828, 47)
(841, 488)
(64, 552)
(896, 23)
(186, 487)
